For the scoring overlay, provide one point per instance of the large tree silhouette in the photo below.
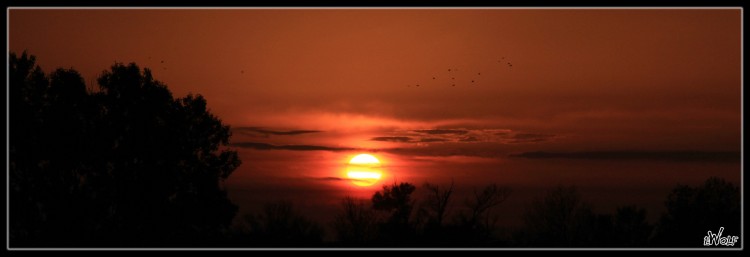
(125, 165)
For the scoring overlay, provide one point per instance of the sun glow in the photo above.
(364, 170)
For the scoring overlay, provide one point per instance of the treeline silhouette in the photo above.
(129, 165)
(560, 218)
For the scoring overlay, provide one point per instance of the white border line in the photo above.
(7, 130)
(371, 8)
(7, 124)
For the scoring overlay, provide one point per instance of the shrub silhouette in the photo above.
(126, 165)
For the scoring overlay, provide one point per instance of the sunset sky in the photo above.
(629, 102)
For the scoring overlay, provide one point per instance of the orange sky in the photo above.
(581, 80)
(616, 71)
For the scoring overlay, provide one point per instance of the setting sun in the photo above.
(318, 127)
(364, 170)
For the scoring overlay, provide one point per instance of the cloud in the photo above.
(482, 152)
(530, 138)
(392, 139)
(338, 179)
(409, 139)
(264, 146)
(266, 132)
(442, 131)
(428, 140)
(331, 179)
(500, 136)
(681, 156)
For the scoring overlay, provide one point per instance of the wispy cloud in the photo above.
(265, 146)
(529, 138)
(501, 136)
(337, 179)
(258, 131)
(331, 179)
(681, 156)
(409, 139)
(392, 139)
(442, 131)
(432, 139)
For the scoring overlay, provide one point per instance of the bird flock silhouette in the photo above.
(455, 78)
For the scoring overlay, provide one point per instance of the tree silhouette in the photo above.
(356, 223)
(127, 165)
(279, 224)
(476, 224)
(630, 227)
(437, 203)
(693, 211)
(432, 214)
(396, 201)
(482, 203)
(561, 218)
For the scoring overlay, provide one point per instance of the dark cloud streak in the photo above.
(337, 179)
(442, 131)
(331, 179)
(428, 140)
(392, 139)
(258, 130)
(469, 139)
(530, 138)
(265, 146)
(680, 156)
